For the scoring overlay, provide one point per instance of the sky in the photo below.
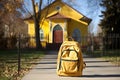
(89, 8)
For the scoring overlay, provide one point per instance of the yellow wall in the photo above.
(45, 27)
(31, 29)
(31, 32)
(74, 24)
(62, 23)
(82, 28)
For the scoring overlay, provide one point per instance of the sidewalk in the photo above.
(97, 69)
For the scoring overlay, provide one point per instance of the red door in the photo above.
(58, 36)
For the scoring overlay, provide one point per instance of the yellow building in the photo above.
(58, 21)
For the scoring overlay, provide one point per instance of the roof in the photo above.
(29, 18)
(58, 15)
(85, 19)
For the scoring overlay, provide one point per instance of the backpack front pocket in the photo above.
(69, 66)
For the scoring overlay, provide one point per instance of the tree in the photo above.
(37, 18)
(10, 15)
(36, 22)
(10, 19)
(111, 16)
(111, 23)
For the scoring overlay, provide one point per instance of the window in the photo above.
(76, 35)
(41, 35)
(58, 8)
(57, 27)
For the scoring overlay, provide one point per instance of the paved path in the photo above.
(97, 69)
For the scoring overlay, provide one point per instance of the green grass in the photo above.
(109, 55)
(114, 60)
(9, 63)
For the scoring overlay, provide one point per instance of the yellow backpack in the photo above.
(70, 60)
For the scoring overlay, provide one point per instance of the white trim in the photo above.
(41, 32)
(65, 30)
(50, 25)
(65, 26)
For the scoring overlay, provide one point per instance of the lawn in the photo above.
(114, 60)
(9, 63)
(109, 55)
(113, 56)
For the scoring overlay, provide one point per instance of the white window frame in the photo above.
(41, 33)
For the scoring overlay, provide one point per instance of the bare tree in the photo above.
(37, 20)
(10, 19)
(10, 14)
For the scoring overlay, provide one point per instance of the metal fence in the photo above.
(100, 45)
(103, 46)
(104, 43)
(13, 42)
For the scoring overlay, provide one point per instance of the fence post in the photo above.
(117, 49)
(92, 46)
(19, 55)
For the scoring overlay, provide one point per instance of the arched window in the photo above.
(76, 35)
(57, 27)
(41, 35)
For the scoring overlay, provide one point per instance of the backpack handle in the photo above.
(70, 38)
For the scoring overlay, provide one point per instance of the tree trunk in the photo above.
(36, 24)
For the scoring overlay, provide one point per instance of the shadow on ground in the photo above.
(107, 75)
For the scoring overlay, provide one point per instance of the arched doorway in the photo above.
(57, 34)
(76, 35)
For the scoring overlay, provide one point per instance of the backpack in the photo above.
(70, 61)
